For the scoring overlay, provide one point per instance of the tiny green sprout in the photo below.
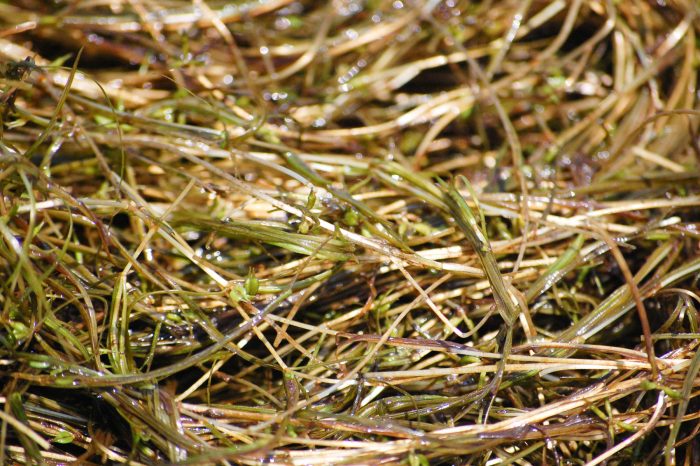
(351, 217)
(422, 228)
(469, 359)
(39, 364)
(417, 459)
(599, 413)
(19, 330)
(180, 94)
(649, 385)
(174, 318)
(295, 22)
(675, 394)
(381, 308)
(410, 141)
(466, 113)
(63, 437)
(238, 293)
(252, 284)
(105, 121)
(551, 154)
(658, 236)
(65, 381)
(627, 427)
(17, 123)
(60, 61)
(311, 200)
(557, 81)
(482, 380)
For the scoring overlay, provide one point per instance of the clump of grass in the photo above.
(441, 232)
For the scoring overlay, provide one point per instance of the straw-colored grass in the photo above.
(349, 232)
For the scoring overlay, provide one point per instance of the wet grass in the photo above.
(382, 232)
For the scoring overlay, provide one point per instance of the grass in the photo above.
(382, 232)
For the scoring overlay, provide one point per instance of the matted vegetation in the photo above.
(349, 232)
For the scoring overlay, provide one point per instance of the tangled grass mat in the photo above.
(349, 232)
